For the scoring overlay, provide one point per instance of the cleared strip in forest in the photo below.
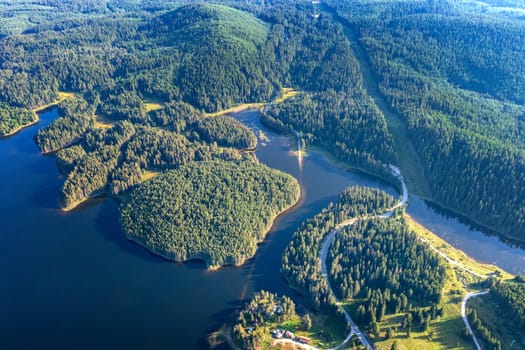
(407, 157)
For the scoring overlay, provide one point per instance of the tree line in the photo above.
(512, 294)
(483, 334)
(334, 110)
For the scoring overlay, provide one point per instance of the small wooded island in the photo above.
(216, 211)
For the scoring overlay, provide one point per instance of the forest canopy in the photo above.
(13, 118)
(215, 211)
(457, 81)
(300, 262)
(384, 263)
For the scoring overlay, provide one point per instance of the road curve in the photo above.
(464, 314)
(323, 253)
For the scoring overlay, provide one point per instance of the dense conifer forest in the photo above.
(226, 132)
(216, 211)
(452, 72)
(300, 263)
(334, 111)
(378, 266)
(147, 77)
(458, 81)
(123, 63)
(384, 262)
(77, 119)
(12, 118)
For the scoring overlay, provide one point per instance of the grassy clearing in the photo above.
(236, 109)
(63, 95)
(287, 94)
(153, 104)
(103, 123)
(446, 331)
(443, 333)
(149, 174)
(325, 333)
(408, 159)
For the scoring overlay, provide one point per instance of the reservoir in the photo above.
(72, 280)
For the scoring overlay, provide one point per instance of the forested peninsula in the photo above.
(436, 87)
(215, 211)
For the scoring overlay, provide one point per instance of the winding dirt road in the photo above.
(464, 314)
(323, 254)
(354, 329)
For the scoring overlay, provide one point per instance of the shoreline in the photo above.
(37, 110)
(62, 95)
(453, 255)
(498, 232)
(94, 195)
(448, 260)
(352, 168)
(22, 127)
(493, 231)
(56, 150)
(347, 166)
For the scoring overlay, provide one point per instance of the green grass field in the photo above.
(456, 254)
(287, 94)
(325, 332)
(62, 95)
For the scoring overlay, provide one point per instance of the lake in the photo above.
(72, 280)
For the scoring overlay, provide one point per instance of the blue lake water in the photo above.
(72, 280)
